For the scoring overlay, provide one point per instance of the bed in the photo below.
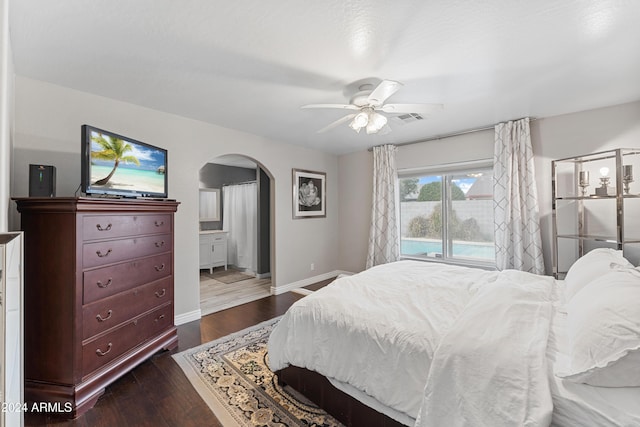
(428, 344)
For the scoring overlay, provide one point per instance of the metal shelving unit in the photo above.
(589, 196)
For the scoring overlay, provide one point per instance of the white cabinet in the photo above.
(11, 327)
(213, 249)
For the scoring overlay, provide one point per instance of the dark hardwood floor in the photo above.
(157, 393)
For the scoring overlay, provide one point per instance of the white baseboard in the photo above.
(277, 290)
(301, 291)
(263, 275)
(180, 319)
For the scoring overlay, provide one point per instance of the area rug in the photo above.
(232, 376)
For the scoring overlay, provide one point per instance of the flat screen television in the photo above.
(114, 165)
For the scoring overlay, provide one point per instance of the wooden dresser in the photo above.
(98, 293)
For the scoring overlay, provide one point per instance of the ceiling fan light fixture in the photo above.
(367, 105)
(359, 121)
(353, 125)
(376, 122)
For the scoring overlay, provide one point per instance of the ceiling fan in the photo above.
(368, 104)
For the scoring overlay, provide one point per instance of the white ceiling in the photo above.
(251, 64)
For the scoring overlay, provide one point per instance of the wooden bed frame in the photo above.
(346, 409)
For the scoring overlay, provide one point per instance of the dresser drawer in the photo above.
(106, 281)
(97, 353)
(219, 237)
(111, 251)
(113, 226)
(110, 312)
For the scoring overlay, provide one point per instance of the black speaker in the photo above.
(42, 181)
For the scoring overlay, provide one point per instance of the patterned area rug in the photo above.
(232, 376)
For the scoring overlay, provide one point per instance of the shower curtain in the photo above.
(240, 214)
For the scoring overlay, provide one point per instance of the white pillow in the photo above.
(603, 328)
(590, 266)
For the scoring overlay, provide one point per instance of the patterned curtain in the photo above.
(517, 225)
(384, 245)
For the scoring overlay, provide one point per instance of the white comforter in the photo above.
(380, 330)
(490, 368)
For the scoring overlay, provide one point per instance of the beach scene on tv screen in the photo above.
(119, 164)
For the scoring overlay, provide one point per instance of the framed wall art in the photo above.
(309, 194)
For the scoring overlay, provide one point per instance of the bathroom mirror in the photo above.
(209, 204)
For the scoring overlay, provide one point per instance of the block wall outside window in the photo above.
(448, 216)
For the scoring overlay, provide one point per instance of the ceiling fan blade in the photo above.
(337, 123)
(422, 109)
(340, 106)
(383, 91)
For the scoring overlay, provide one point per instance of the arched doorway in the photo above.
(242, 226)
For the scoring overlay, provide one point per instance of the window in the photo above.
(448, 215)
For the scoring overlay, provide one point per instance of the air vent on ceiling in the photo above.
(408, 117)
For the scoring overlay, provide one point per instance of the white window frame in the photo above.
(446, 170)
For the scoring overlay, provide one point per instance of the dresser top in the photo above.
(89, 204)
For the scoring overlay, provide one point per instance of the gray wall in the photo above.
(355, 202)
(552, 138)
(6, 114)
(48, 120)
(213, 175)
(356, 178)
(575, 134)
(264, 223)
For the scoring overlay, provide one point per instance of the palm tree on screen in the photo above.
(113, 149)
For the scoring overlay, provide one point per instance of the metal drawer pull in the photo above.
(159, 318)
(104, 353)
(102, 319)
(103, 285)
(159, 244)
(99, 227)
(102, 255)
(159, 268)
(161, 293)
(159, 223)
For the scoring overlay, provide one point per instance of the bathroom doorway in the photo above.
(234, 232)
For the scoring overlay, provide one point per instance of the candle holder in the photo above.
(583, 183)
(627, 177)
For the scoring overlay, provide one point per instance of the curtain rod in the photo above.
(240, 183)
(450, 135)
